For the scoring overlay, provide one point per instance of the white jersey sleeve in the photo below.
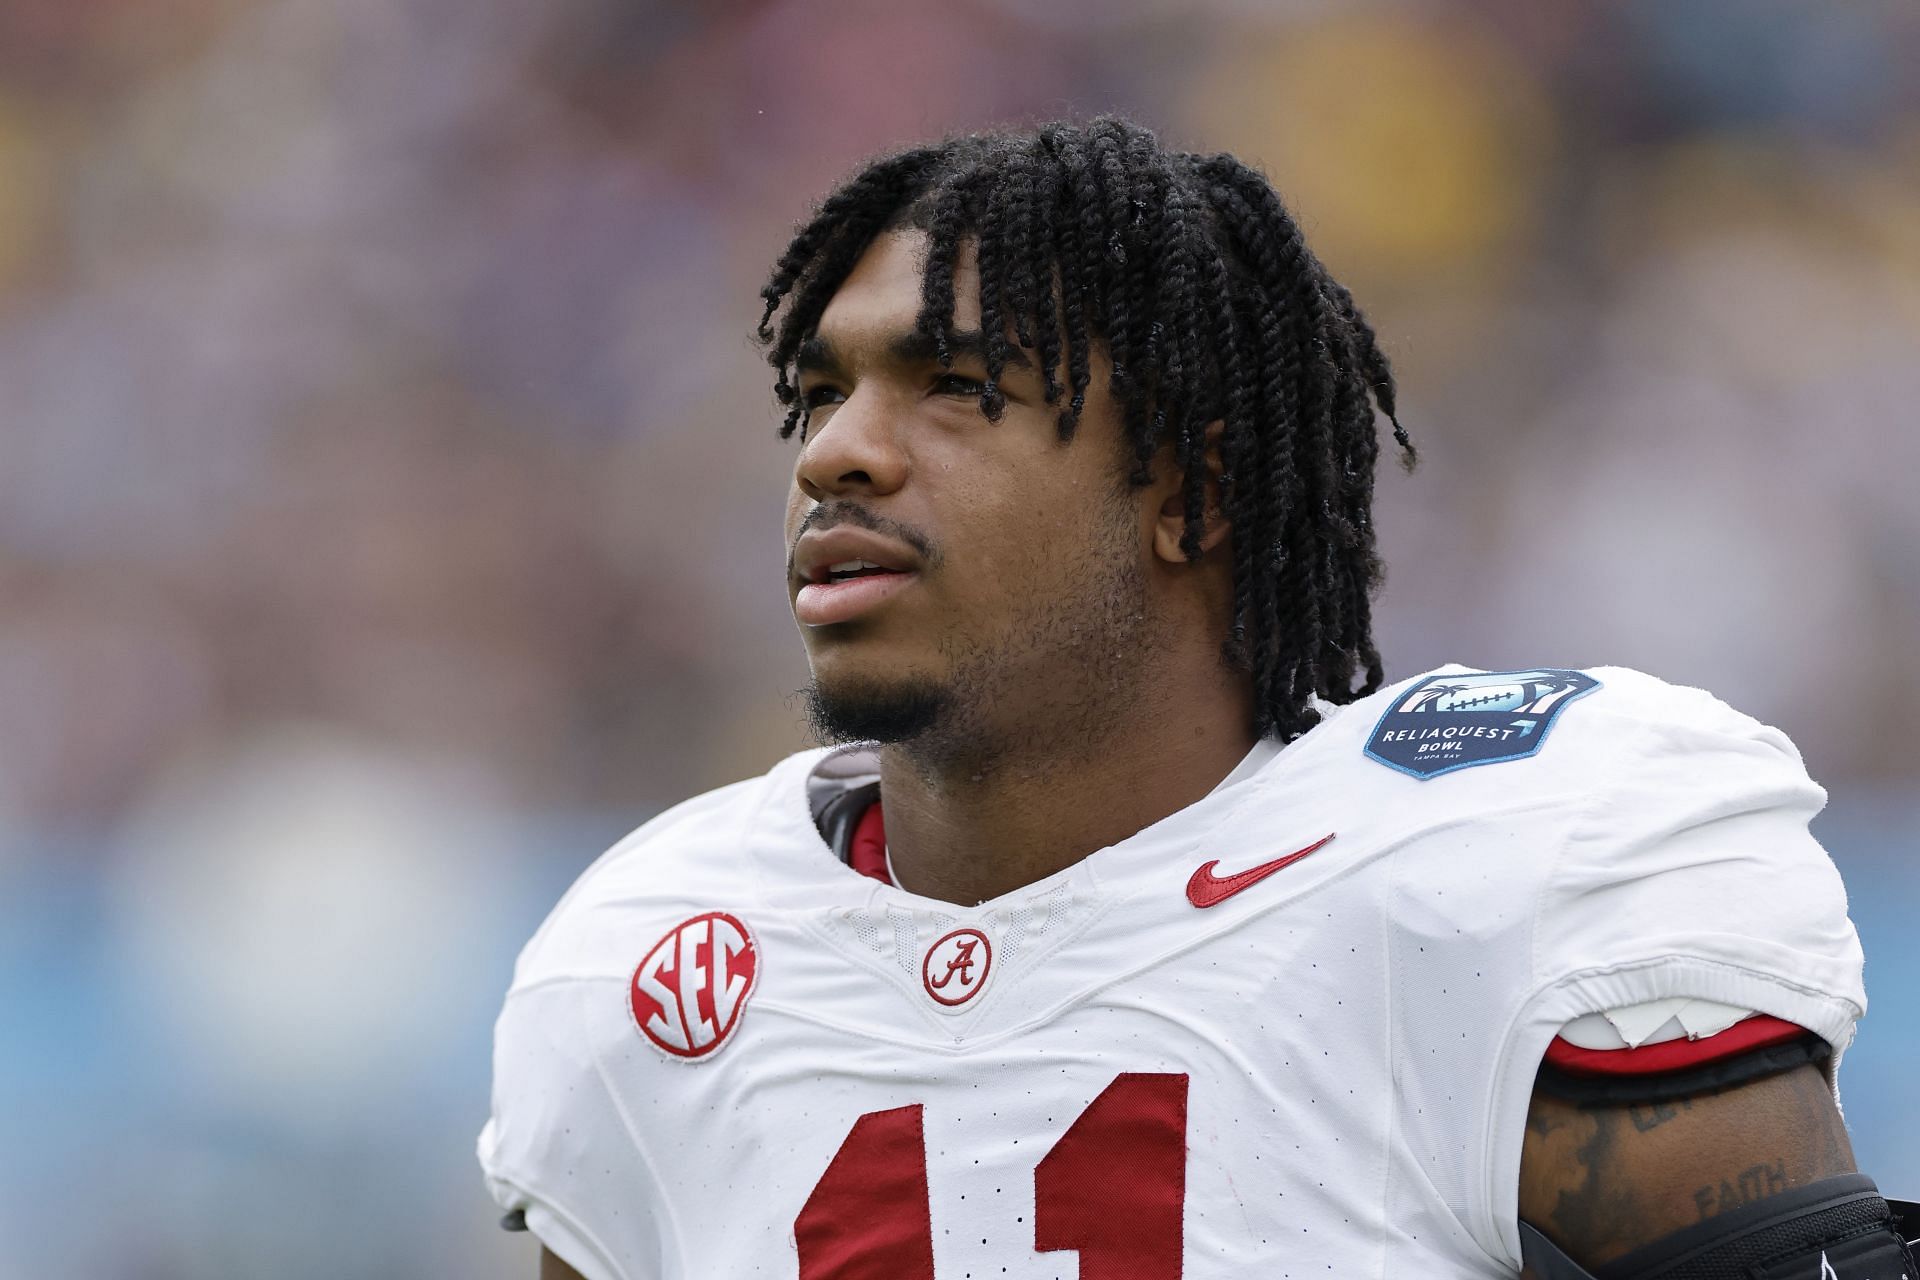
(1685, 871)
(1692, 873)
(561, 1145)
(545, 1150)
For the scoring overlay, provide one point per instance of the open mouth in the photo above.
(847, 570)
(844, 571)
(846, 589)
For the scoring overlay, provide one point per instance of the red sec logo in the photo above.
(956, 966)
(687, 994)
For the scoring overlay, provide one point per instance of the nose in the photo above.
(853, 450)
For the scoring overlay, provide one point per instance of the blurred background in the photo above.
(390, 499)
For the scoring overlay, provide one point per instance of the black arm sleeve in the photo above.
(1834, 1229)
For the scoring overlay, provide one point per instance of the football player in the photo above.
(1134, 928)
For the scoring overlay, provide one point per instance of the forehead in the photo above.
(880, 297)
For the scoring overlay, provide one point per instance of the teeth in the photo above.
(852, 566)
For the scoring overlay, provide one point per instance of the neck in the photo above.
(962, 833)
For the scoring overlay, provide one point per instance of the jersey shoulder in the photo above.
(1602, 840)
(686, 860)
(1572, 726)
(1627, 819)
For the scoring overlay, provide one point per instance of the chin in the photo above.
(870, 709)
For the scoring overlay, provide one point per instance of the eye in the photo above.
(819, 395)
(954, 384)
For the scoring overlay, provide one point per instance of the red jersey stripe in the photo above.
(1756, 1032)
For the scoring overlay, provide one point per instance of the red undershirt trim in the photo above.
(867, 850)
(1757, 1032)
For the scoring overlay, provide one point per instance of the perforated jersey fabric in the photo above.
(1324, 1072)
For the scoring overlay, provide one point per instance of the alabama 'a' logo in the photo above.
(688, 992)
(956, 966)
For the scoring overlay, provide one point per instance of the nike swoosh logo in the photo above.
(1206, 889)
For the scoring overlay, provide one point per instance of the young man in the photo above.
(1136, 931)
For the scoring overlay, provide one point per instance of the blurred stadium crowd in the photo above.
(389, 495)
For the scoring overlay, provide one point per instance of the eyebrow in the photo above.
(817, 355)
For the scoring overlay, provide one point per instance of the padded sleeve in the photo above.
(558, 1146)
(1689, 872)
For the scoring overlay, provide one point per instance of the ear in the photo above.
(1170, 524)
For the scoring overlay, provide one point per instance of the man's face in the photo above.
(956, 580)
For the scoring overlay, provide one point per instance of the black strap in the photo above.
(1834, 1229)
(1545, 1260)
(1906, 1219)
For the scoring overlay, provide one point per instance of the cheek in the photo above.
(1024, 526)
(1020, 548)
(985, 514)
(797, 507)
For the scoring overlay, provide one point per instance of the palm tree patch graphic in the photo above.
(1523, 692)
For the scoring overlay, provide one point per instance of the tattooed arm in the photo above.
(1600, 1181)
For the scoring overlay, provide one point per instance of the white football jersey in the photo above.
(1291, 1030)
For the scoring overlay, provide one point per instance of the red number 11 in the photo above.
(1113, 1188)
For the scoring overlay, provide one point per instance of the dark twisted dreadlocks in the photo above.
(1191, 272)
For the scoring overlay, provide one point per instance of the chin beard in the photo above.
(872, 712)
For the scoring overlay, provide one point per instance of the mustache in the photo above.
(829, 514)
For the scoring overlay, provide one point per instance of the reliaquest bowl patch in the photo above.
(1449, 722)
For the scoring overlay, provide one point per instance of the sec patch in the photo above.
(1448, 722)
(687, 993)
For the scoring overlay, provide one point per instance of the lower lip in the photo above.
(821, 604)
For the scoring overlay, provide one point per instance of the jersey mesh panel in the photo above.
(868, 931)
(1016, 931)
(1054, 901)
(905, 948)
